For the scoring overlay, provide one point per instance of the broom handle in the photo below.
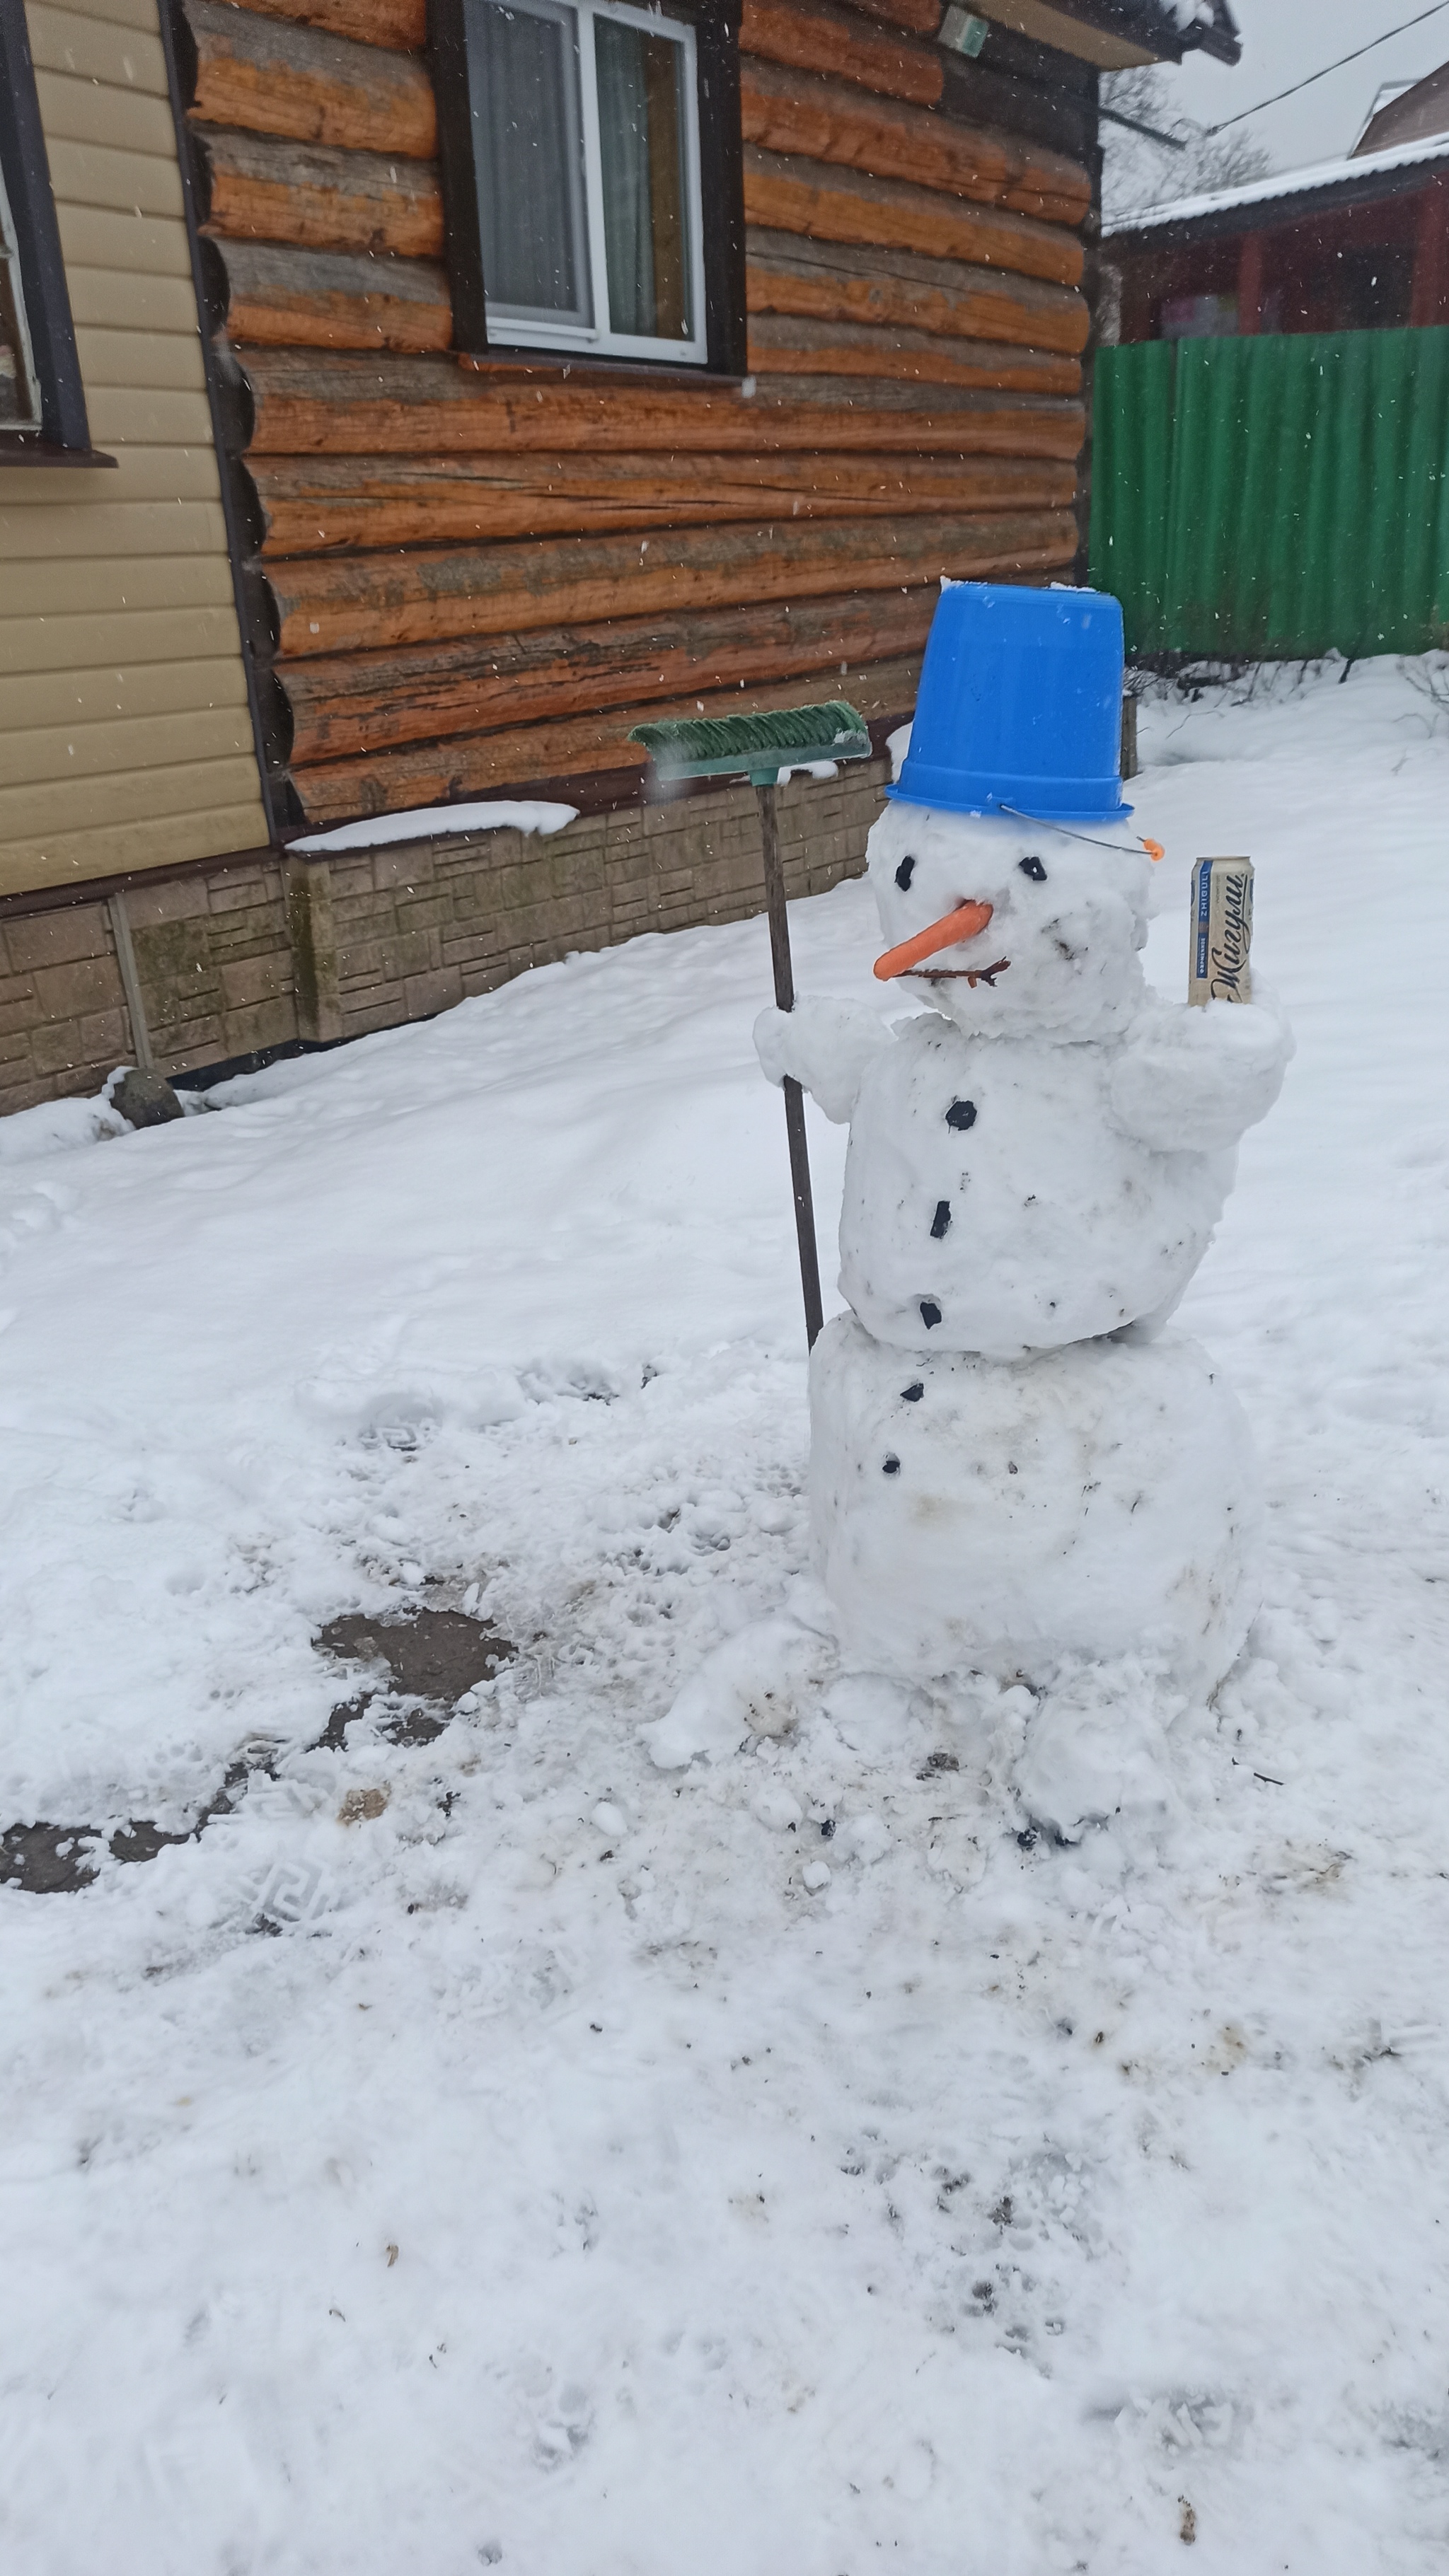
(794, 1096)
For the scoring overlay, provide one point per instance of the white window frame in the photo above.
(506, 325)
(28, 382)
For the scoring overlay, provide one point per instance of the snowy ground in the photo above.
(535, 2173)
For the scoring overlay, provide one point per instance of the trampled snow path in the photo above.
(990, 2210)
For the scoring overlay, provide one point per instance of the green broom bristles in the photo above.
(705, 746)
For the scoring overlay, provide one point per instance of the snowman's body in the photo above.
(975, 1516)
(1036, 1163)
(1035, 1219)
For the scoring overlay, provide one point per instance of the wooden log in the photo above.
(271, 77)
(1044, 424)
(822, 39)
(827, 120)
(985, 93)
(920, 17)
(351, 703)
(255, 187)
(781, 345)
(578, 746)
(401, 25)
(294, 402)
(836, 205)
(313, 505)
(341, 605)
(250, 187)
(333, 299)
(839, 283)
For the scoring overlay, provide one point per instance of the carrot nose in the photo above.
(966, 922)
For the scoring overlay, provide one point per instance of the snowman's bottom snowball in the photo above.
(983, 1516)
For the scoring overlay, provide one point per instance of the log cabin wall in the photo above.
(472, 573)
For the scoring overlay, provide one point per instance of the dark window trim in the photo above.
(63, 430)
(554, 366)
(223, 382)
(31, 447)
(722, 196)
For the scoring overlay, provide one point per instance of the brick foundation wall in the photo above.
(61, 1004)
(257, 954)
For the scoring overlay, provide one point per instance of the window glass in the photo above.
(526, 110)
(586, 154)
(642, 164)
(18, 406)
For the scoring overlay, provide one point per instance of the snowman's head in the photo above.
(1051, 926)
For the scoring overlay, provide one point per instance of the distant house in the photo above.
(563, 362)
(1358, 244)
(1412, 112)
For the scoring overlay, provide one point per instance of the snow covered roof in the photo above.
(1166, 29)
(1192, 20)
(1384, 96)
(1360, 174)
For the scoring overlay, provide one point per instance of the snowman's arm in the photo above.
(1192, 1079)
(825, 1046)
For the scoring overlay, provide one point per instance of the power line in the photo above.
(1354, 57)
(1134, 125)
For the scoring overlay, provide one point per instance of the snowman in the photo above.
(1014, 1466)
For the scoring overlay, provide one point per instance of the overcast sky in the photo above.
(1284, 39)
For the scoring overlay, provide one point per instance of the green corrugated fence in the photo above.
(1274, 498)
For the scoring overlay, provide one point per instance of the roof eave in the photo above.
(1224, 44)
(1279, 212)
(1146, 23)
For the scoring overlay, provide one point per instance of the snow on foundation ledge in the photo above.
(431, 822)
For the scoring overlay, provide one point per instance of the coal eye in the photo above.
(1033, 868)
(904, 873)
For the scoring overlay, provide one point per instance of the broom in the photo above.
(757, 747)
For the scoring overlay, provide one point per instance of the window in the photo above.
(577, 169)
(19, 398)
(42, 405)
(587, 154)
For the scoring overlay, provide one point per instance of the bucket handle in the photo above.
(1044, 823)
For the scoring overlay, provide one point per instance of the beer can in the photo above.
(1222, 931)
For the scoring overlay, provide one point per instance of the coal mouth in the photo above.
(429, 1660)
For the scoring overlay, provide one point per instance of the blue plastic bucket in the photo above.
(1020, 706)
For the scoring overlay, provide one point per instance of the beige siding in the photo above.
(125, 740)
(126, 183)
(176, 786)
(81, 40)
(134, 638)
(48, 531)
(98, 697)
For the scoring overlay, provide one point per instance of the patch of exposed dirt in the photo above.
(57, 1860)
(434, 1657)
(431, 1660)
(49, 1860)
